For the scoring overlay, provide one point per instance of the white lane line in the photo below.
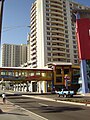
(49, 99)
(42, 104)
(34, 115)
(42, 98)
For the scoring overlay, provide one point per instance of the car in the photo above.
(65, 93)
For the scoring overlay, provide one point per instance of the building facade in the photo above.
(52, 32)
(41, 80)
(14, 55)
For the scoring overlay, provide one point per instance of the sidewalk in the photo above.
(9, 111)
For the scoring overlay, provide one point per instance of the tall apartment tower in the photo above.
(14, 55)
(28, 48)
(53, 37)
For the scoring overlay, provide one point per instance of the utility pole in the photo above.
(1, 15)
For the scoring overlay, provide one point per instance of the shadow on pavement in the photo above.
(52, 109)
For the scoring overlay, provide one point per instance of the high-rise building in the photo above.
(53, 37)
(28, 48)
(14, 55)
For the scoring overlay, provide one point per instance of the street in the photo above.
(52, 110)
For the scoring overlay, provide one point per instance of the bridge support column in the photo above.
(43, 86)
(23, 87)
(14, 87)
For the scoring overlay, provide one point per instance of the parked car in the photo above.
(65, 93)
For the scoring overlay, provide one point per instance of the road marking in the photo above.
(42, 98)
(42, 104)
(34, 115)
(50, 99)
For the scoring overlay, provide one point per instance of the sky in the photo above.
(16, 19)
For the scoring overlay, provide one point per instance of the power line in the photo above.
(13, 27)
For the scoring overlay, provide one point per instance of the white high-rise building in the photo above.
(53, 37)
(28, 49)
(14, 55)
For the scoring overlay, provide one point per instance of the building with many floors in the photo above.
(14, 55)
(52, 32)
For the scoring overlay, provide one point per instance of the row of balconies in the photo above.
(54, 39)
(33, 26)
(55, 4)
(33, 17)
(33, 34)
(54, 1)
(52, 26)
(33, 42)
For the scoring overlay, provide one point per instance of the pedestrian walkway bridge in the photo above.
(25, 74)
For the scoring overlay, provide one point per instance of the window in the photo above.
(48, 28)
(43, 74)
(49, 54)
(74, 46)
(49, 59)
(3, 73)
(47, 10)
(47, 1)
(74, 42)
(16, 73)
(48, 38)
(67, 41)
(23, 73)
(66, 71)
(65, 23)
(47, 19)
(32, 73)
(58, 79)
(70, 4)
(73, 33)
(58, 71)
(73, 37)
(67, 45)
(66, 27)
(75, 51)
(73, 28)
(47, 14)
(66, 31)
(47, 5)
(26, 74)
(75, 56)
(68, 60)
(48, 48)
(75, 61)
(48, 23)
(48, 33)
(66, 36)
(38, 73)
(49, 74)
(68, 55)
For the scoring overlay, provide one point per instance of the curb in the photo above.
(67, 102)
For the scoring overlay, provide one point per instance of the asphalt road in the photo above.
(52, 110)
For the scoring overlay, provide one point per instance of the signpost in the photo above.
(67, 79)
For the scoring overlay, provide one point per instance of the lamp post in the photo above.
(1, 14)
